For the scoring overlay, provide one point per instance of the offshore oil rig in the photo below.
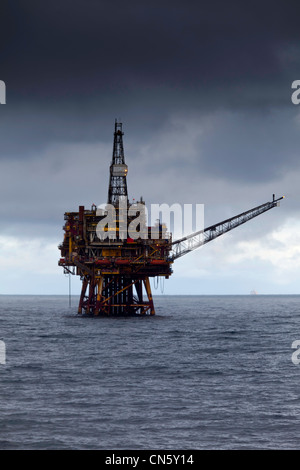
(115, 260)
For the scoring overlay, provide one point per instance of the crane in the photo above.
(190, 242)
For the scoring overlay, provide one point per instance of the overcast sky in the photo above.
(203, 90)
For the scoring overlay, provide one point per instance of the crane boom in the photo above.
(195, 240)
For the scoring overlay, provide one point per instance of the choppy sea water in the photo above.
(207, 372)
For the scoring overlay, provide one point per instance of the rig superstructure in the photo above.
(115, 267)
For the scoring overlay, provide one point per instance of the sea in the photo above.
(204, 373)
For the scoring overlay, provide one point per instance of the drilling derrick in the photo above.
(118, 169)
(115, 252)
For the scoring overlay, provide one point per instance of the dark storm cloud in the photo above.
(203, 90)
(72, 49)
(252, 147)
(71, 67)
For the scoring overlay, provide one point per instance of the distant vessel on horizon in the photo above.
(253, 292)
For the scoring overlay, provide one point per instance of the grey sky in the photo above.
(204, 93)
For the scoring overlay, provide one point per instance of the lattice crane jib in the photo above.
(195, 240)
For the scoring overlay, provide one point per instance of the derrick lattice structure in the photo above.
(115, 264)
(118, 169)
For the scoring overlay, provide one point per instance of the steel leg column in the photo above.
(149, 294)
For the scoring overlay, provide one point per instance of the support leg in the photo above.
(99, 295)
(149, 294)
(83, 291)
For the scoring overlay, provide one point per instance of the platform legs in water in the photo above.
(116, 296)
